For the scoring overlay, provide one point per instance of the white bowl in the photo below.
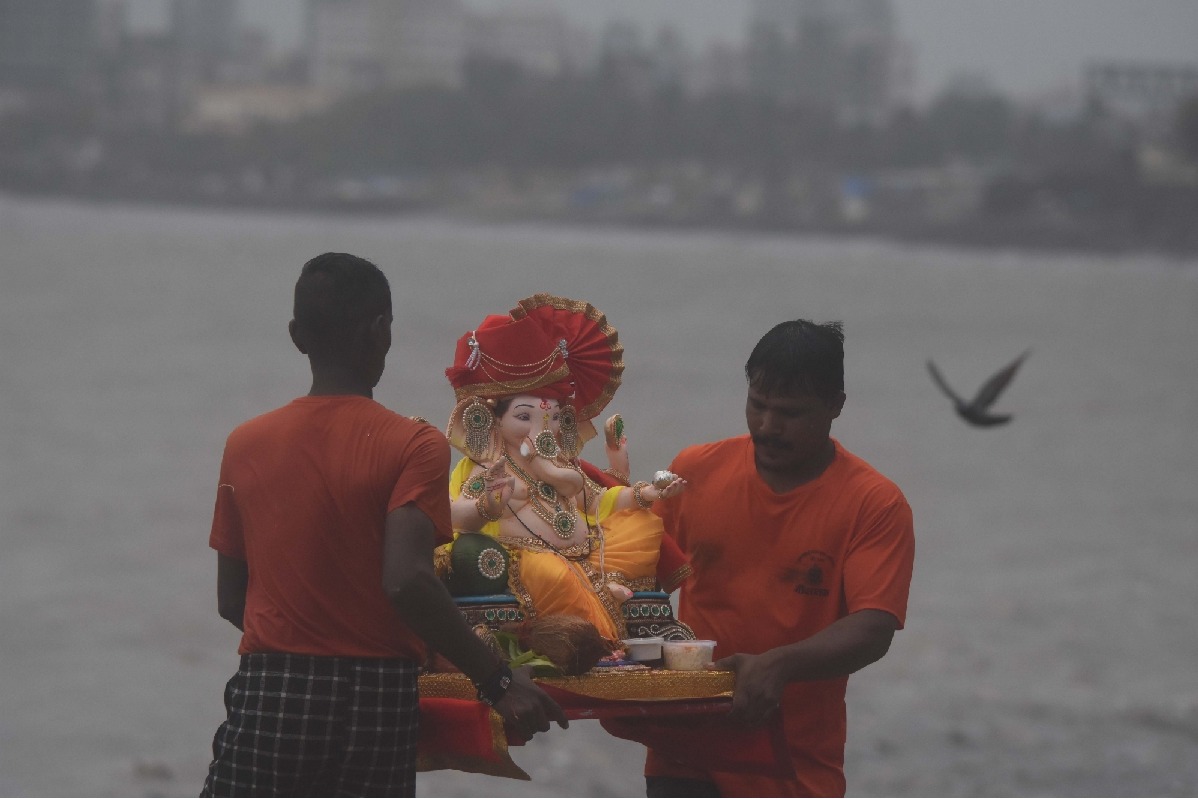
(687, 655)
(643, 649)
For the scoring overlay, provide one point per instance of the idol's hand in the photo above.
(671, 489)
(616, 445)
(498, 488)
(757, 694)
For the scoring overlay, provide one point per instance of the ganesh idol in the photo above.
(578, 541)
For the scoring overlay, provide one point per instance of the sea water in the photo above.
(1050, 642)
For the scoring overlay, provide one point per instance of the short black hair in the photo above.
(335, 295)
(799, 357)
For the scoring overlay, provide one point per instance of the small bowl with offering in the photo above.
(644, 650)
(687, 655)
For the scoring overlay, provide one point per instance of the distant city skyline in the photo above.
(1026, 48)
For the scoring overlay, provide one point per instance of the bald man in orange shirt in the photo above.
(326, 514)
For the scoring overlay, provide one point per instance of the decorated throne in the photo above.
(477, 578)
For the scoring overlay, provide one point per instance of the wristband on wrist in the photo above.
(623, 478)
(643, 503)
(480, 505)
(494, 687)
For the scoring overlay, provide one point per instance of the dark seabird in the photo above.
(976, 411)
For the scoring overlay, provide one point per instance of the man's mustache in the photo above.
(770, 442)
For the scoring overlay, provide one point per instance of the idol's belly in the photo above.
(527, 524)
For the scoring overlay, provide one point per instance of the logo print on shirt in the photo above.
(812, 568)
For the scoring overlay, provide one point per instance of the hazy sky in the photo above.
(1027, 47)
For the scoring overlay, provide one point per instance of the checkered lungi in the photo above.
(317, 726)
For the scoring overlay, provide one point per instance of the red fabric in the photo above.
(461, 726)
(598, 475)
(303, 495)
(773, 569)
(456, 733)
(709, 742)
(669, 563)
(595, 355)
(511, 348)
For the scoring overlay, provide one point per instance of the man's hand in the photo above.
(527, 709)
(841, 648)
(757, 694)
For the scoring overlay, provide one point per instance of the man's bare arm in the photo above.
(425, 604)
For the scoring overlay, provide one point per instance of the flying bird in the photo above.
(977, 410)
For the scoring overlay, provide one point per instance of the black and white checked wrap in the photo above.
(317, 726)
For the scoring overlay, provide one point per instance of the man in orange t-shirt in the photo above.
(326, 515)
(802, 556)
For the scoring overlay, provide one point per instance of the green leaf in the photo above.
(517, 657)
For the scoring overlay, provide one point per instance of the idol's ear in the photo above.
(473, 430)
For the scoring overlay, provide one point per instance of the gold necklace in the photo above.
(563, 522)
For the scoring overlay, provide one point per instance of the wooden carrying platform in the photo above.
(679, 713)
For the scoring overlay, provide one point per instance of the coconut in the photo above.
(571, 643)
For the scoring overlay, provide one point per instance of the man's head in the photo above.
(796, 389)
(342, 314)
(799, 357)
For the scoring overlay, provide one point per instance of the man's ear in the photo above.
(295, 339)
(837, 404)
(379, 330)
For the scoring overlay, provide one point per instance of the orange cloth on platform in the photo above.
(772, 569)
(312, 534)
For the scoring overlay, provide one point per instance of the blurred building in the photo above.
(720, 69)
(665, 65)
(669, 61)
(1144, 95)
(47, 45)
(842, 55)
(205, 37)
(201, 70)
(622, 56)
(141, 92)
(537, 38)
(234, 109)
(364, 45)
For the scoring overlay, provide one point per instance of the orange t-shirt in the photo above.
(303, 496)
(772, 569)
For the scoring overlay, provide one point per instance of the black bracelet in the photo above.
(492, 689)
